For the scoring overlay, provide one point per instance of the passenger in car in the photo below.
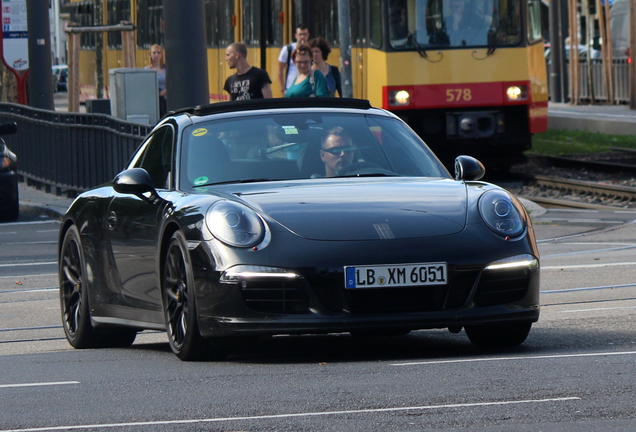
(336, 151)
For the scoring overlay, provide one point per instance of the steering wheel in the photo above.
(362, 168)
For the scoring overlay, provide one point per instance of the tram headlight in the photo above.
(517, 93)
(399, 97)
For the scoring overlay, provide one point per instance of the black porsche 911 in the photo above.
(9, 196)
(294, 216)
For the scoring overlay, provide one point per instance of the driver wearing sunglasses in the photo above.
(336, 151)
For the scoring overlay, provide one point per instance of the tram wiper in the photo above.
(413, 40)
(493, 33)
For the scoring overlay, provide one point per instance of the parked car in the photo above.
(9, 196)
(60, 77)
(294, 216)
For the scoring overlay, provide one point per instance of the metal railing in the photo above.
(621, 82)
(68, 153)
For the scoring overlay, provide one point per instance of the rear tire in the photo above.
(498, 335)
(13, 209)
(75, 309)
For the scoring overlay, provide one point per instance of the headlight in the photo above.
(235, 224)
(400, 97)
(517, 93)
(500, 212)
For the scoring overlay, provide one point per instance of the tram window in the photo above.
(375, 14)
(118, 11)
(218, 23)
(321, 17)
(82, 13)
(534, 21)
(426, 24)
(252, 22)
(149, 20)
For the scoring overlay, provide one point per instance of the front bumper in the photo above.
(316, 301)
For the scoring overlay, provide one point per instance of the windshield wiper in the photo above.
(245, 180)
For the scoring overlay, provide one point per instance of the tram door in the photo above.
(359, 43)
(221, 30)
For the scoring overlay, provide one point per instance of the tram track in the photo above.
(581, 181)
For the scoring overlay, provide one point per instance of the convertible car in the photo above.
(294, 216)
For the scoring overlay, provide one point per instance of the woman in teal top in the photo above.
(308, 83)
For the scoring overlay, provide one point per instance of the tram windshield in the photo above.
(436, 24)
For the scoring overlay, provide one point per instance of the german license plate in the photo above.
(396, 275)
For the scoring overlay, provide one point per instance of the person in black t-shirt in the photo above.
(248, 82)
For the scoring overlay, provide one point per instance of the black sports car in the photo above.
(9, 196)
(290, 216)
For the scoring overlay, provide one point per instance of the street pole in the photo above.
(344, 29)
(39, 41)
(186, 54)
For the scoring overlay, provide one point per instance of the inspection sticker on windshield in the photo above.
(397, 275)
(290, 130)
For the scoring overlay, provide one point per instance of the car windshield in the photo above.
(302, 146)
(435, 24)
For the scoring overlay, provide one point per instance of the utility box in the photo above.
(98, 106)
(134, 95)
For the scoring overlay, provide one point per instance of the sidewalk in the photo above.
(33, 200)
(607, 119)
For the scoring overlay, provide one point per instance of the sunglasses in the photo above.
(337, 151)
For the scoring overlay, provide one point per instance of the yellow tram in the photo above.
(473, 84)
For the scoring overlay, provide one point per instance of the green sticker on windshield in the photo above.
(201, 180)
(290, 130)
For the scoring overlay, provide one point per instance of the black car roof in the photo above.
(276, 103)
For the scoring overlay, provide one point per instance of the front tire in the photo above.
(498, 335)
(179, 302)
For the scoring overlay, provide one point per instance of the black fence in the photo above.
(68, 153)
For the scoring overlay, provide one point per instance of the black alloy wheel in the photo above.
(73, 297)
(498, 335)
(74, 301)
(179, 302)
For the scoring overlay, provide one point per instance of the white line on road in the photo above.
(588, 288)
(585, 266)
(543, 357)
(28, 264)
(599, 309)
(294, 415)
(38, 384)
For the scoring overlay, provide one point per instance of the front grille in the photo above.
(331, 292)
(273, 295)
(501, 287)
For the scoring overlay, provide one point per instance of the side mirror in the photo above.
(8, 128)
(468, 168)
(135, 181)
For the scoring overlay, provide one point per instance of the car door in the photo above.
(134, 224)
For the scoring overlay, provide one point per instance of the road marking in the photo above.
(29, 290)
(598, 309)
(539, 357)
(295, 415)
(30, 328)
(30, 223)
(588, 288)
(590, 251)
(28, 264)
(579, 266)
(39, 384)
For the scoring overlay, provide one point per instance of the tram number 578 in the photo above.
(458, 95)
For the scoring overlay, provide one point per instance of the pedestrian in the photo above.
(158, 63)
(248, 82)
(287, 70)
(308, 82)
(320, 51)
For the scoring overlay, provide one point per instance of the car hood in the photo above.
(364, 209)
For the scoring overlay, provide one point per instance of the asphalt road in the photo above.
(575, 371)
